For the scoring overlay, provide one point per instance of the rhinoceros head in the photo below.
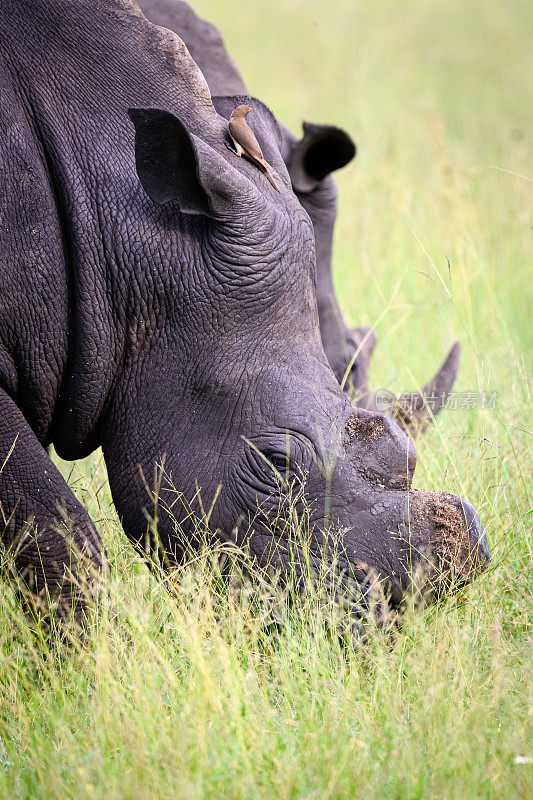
(230, 386)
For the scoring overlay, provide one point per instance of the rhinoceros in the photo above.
(310, 162)
(159, 301)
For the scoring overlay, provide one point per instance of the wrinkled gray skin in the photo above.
(159, 300)
(310, 161)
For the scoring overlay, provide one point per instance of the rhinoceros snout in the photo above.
(478, 541)
(451, 535)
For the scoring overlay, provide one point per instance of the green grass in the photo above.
(187, 694)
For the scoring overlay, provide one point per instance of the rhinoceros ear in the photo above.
(173, 165)
(323, 149)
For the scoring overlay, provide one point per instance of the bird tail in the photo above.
(271, 180)
(263, 166)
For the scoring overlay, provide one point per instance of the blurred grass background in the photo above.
(185, 695)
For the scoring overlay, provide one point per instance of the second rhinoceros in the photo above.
(310, 162)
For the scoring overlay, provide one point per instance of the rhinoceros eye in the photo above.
(271, 464)
(278, 461)
(275, 460)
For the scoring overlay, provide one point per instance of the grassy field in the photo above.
(188, 694)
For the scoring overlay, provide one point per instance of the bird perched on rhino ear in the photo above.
(245, 142)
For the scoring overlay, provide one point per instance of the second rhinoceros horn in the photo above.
(412, 411)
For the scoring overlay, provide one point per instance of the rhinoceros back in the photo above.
(33, 288)
(73, 70)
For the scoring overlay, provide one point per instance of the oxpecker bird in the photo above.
(245, 142)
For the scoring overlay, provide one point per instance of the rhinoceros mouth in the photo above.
(447, 543)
